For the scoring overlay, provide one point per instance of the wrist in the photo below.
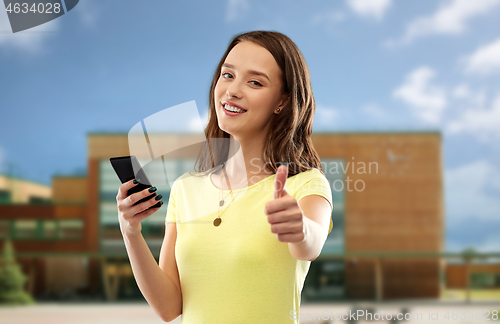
(306, 231)
(304, 250)
(130, 231)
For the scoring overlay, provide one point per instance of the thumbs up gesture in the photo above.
(283, 212)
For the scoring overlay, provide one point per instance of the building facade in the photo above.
(387, 190)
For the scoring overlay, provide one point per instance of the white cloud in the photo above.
(485, 60)
(463, 93)
(480, 122)
(466, 192)
(325, 116)
(426, 101)
(370, 8)
(325, 112)
(31, 40)
(450, 19)
(235, 8)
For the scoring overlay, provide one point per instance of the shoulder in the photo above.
(311, 182)
(307, 175)
(188, 180)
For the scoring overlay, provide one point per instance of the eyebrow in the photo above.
(249, 71)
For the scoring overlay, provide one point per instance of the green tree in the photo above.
(12, 279)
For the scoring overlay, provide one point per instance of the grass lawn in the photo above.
(475, 294)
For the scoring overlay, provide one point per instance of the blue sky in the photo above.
(375, 65)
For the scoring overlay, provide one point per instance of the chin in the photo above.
(227, 130)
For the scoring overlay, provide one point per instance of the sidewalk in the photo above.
(64, 313)
(134, 313)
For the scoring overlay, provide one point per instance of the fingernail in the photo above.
(136, 181)
(161, 203)
(152, 189)
(158, 197)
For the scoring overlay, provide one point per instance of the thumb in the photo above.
(279, 181)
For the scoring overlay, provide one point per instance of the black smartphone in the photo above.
(124, 167)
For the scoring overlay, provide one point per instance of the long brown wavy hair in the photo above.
(289, 137)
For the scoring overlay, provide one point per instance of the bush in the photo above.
(12, 279)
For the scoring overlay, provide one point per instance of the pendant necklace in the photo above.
(218, 220)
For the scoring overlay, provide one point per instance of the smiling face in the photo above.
(250, 79)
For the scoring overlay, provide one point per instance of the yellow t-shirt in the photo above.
(237, 272)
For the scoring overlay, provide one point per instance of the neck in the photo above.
(246, 159)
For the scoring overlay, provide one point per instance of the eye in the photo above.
(257, 83)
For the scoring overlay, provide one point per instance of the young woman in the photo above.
(241, 234)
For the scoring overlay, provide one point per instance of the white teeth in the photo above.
(232, 109)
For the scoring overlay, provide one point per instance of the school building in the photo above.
(387, 192)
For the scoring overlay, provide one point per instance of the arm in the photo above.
(159, 284)
(316, 218)
(302, 224)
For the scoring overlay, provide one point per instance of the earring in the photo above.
(278, 109)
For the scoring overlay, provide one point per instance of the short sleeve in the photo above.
(171, 207)
(317, 185)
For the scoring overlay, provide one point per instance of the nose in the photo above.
(233, 90)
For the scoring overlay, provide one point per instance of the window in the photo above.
(153, 230)
(39, 200)
(33, 229)
(111, 231)
(71, 229)
(161, 174)
(5, 197)
(25, 229)
(332, 168)
(50, 229)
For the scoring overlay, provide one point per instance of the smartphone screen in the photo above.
(124, 167)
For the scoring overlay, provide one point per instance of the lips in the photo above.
(232, 104)
(230, 113)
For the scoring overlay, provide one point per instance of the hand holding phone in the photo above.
(134, 200)
(124, 167)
